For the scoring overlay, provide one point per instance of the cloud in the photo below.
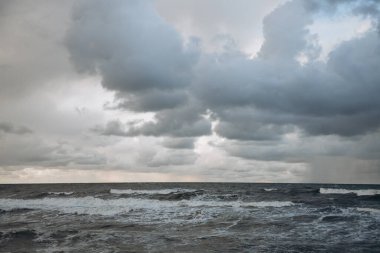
(114, 127)
(154, 100)
(31, 48)
(140, 57)
(211, 19)
(291, 17)
(7, 127)
(20, 151)
(179, 122)
(250, 124)
(344, 170)
(169, 159)
(178, 143)
(370, 8)
(279, 92)
(298, 148)
(132, 47)
(254, 103)
(271, 94)
(250, 98)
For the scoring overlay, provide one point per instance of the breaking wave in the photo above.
(149, 192)
(347, 191)
(61, 193)
(270, 189)
(109, 207)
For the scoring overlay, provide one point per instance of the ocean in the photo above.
(189, 217)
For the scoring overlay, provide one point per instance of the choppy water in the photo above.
(189, 217)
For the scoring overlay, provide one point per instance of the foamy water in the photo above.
(363, 192)
(97, 206)
(270, 189)
(149, 192)
(181, 217)
(61, 193)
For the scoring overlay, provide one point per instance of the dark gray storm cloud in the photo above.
(178, 122)
(131, 46)
(339, 97)
(155, 100)
(113, 84)
(144, 60)
(140, 57)
(365, 147)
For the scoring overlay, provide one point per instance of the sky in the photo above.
(168, 90)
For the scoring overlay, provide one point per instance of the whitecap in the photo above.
(363, 192)
(60, 193)
(150, 192)
(109, 207)
(270, 204)
(270, 189)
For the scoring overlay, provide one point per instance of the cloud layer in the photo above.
(284, 106)
(144, 60)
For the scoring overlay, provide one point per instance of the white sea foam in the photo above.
(270, 189)
(60, 193)
(236, 204)
(269, 204)
(150, 192)
(347, 191)
(97, 206)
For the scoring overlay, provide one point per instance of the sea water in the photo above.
(189, 217)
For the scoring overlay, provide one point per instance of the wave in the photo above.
(347, 191)
(366, 209)
(238, 203)
(27, 234)
(16, 210)
(60, 193)
(269, 204)
(270, 189)
(109, 207)
(40, 195)
(149, 192)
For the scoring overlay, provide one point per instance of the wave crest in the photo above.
(149, 192)
(61, 193)
(109, 207)
(365, 192)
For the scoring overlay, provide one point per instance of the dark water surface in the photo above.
(189, 217)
